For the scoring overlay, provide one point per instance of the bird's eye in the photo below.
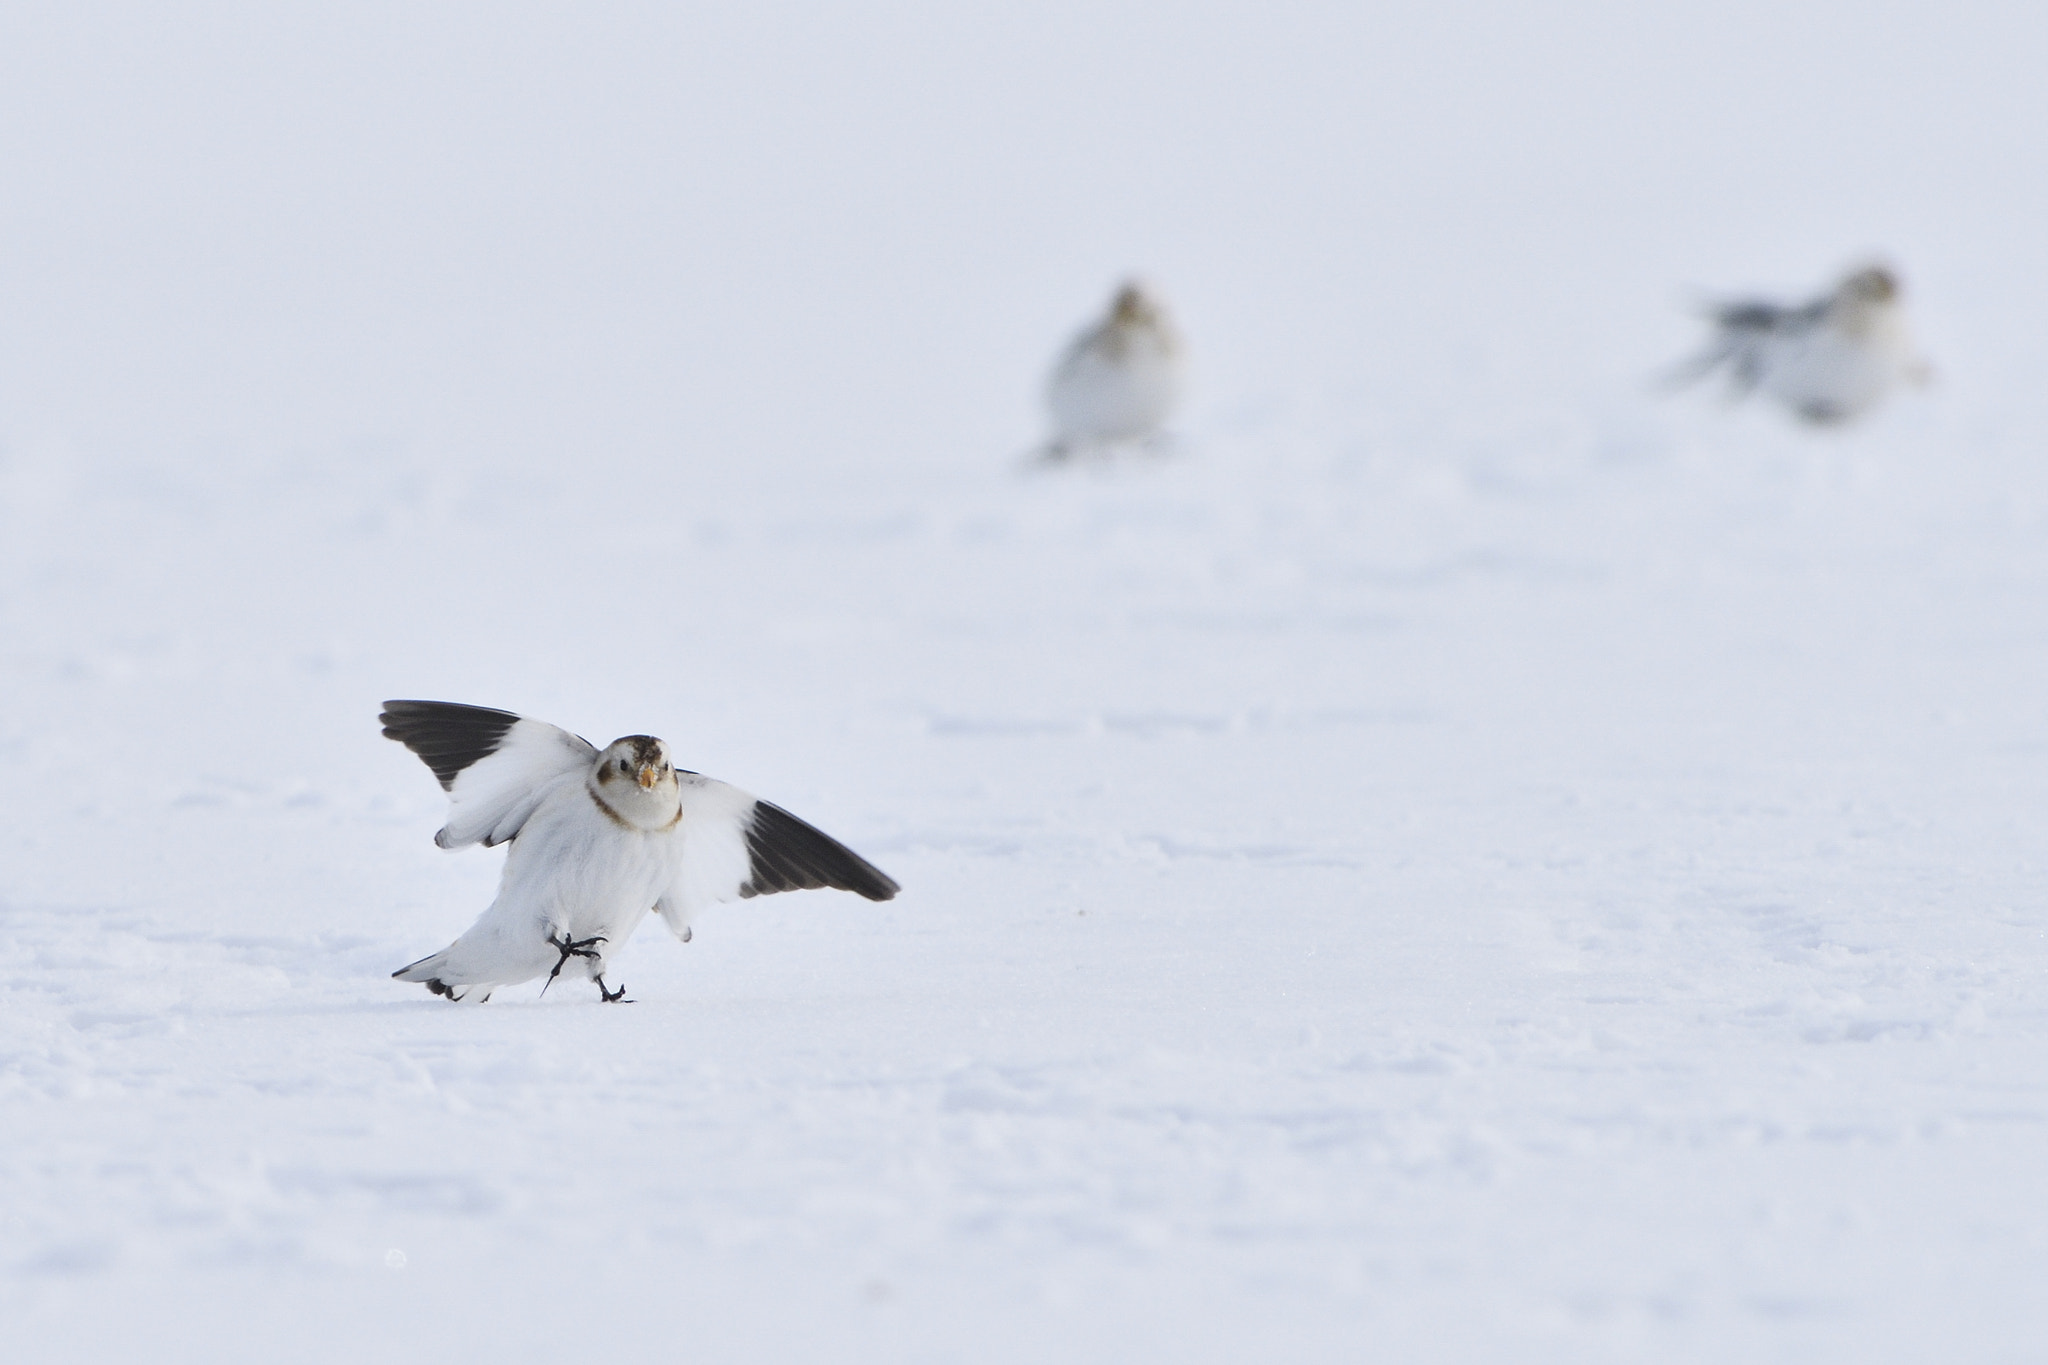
(624, 766)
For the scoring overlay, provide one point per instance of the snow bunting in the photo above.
(1828, 360)
(598, 839)
(1118, 380)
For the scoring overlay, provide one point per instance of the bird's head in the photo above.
(636, 780)
(1872, 286)
(1865, 307)
(1133, 306)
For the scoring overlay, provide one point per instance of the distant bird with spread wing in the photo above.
(1828, 360)
(599, 837)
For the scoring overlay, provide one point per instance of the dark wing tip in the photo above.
(1747, 315)
(789, 855)
(447, 736)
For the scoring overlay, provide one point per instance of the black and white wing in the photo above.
(495, 766)
(735, 846)
(1740, 329)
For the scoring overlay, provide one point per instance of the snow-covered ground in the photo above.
(1468, 858)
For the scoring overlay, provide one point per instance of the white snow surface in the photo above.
(1469, 858)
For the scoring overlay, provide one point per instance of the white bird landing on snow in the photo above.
(598, 839)
(1118, 381)
(1828, 360)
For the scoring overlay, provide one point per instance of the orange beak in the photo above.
(649, 775)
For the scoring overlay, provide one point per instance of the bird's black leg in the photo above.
(612, 997)
(578, 948)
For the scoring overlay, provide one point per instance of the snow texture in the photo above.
(1468, 858)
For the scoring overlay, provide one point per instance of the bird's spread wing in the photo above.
(735, 846)
(495, 766)
(1741, 328)
(788, 855)
(1749, 315)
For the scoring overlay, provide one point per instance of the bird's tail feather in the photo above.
(423, 970)
(428, 972)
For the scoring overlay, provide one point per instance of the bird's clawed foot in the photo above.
(569, 948)
(612, 997)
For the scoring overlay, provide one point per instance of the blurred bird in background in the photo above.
(1828, 360)
(1119, 381)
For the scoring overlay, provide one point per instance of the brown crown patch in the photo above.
(646, 748)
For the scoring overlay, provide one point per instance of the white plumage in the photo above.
(1828, 360)
(598, 840)
(1119, 380)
